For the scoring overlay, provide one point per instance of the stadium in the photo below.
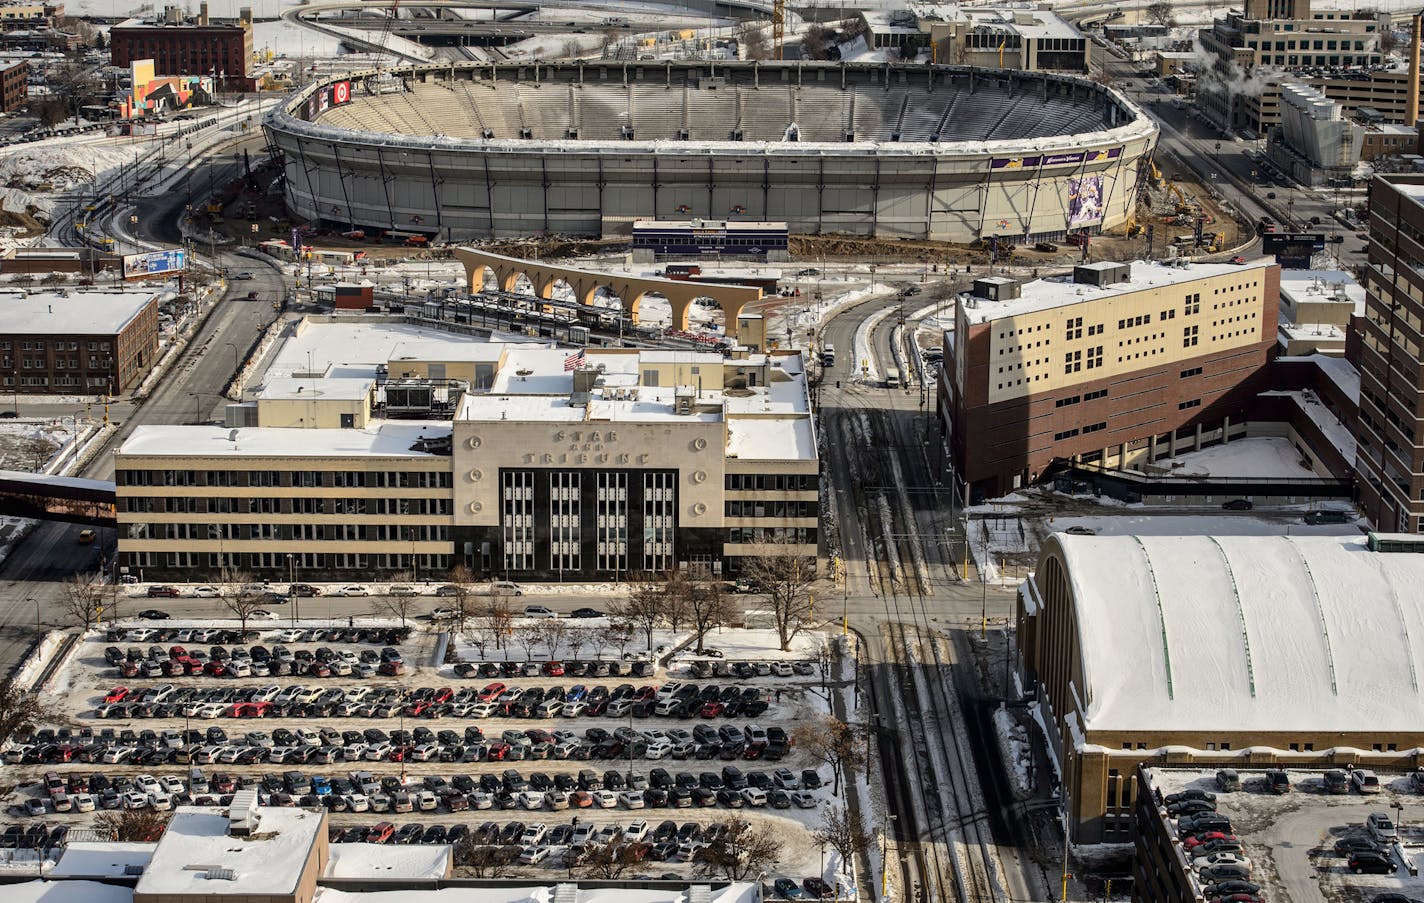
(468, 151)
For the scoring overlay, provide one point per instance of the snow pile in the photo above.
(33, 174)
(1014, 747)
(1266, 456)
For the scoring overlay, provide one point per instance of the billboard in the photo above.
(154, 264)
(1085, 200)
(1293, 250)
(326, 97)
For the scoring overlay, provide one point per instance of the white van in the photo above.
(892, 377)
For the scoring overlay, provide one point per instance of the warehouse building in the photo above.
(420, 451)
(1220, 652)
(1119, 365)
(68, 343)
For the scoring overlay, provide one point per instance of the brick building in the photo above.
(194, 47)
(1123, 364)
(14, 85)
(86, 342)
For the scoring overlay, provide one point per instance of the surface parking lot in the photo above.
(531, 758)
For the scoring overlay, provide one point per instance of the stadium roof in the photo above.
(1246, 633)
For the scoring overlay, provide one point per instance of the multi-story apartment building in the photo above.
(1120, 365)
(86, 342)
(1282, 35)
(557, 465)
(14, 85)
(1390, 449)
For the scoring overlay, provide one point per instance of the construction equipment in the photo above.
(778, 25)
(386, 33)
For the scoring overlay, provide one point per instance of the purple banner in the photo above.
(1061, 159)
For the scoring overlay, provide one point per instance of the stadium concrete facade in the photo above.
(459, 152)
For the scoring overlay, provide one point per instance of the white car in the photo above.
(358, 802)
(531, 799)
(229, 754)
(147, 783)
(289, 636)
(354, 589)
(534, 833)
(83, 802)
(558, 800)
(1381, 828)
(632, 799)
(754, 796)
(206, 592)
(380, 802)
(803, 799)
(161, 802)
(481, 800)
(781, 669)
(539, 611)
(444, 614)
(262, 614)
(171, 784)
(607, 799)
(636, 832)
(135, 800)
(533, 854)
(426, 801)
(1216, 859)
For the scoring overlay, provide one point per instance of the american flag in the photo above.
(573, 361)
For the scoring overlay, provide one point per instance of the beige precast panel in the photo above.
(696, 449)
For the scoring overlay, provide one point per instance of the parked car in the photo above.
(1238, 505)
(1381, 828)
(163, 591)
(1366, 862)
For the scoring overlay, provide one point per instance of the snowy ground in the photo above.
(1265, 456)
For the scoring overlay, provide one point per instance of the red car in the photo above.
(444, 694)
(713, 709)
(580, 799)
(498, 750)
(391, 669)
(645, 693)
(162, 592)
(117, 694)
(398, 753)
(492, 692)
(381, 833)
(223, 783)
(1191, 843)
(554, 669)
(417, 709)
(215, 669)
(177, 652)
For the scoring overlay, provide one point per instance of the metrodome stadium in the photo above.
(465, 151)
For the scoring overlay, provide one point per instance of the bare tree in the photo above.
(677, 598)
(785, 576)
(817, 42)
(843, 830)
(75, 82)
(462, 579)
(527, 637)
(481, 859)
(84, 598)
(400, 605)
(570, 49)
(552, 632)
(618, 633)
(1160, 13)
(831, 741)
(709, 605)
(752, 40)
(238, 597)
(643, 608)
(576, 638)
(132, 825)
(34, 451)
(741, 851)
(500, 620)
(606, 861)
(19, 709)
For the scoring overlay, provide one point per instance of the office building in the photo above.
(1001, 38)
(1119, 365)
(407, 452)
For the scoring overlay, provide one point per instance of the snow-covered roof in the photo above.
(1323, 418)
(198, 857)
(70, 313)
(512, 892)
(374, 860)
(338, 389)
(768, 439)
(1046, 294)
(100, 859)
(1246, 633)
(1298, 286)
(392, 439)
(67, 892)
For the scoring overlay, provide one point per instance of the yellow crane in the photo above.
(778, 25)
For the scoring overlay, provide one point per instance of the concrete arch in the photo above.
(680, 294)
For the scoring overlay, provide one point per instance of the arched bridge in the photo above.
(586, 283)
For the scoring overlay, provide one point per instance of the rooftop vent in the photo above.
(133, 868)
(220, 874)
(243, 815)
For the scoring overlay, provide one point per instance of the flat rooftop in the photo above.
(389, 439)
(1033, 23)
(353, 350)
(1047, 294)
(196, 845)
(288, 388)
(1319, 286)
(1290, 838)
(70, 313)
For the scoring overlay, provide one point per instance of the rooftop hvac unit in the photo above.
(221, 874)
